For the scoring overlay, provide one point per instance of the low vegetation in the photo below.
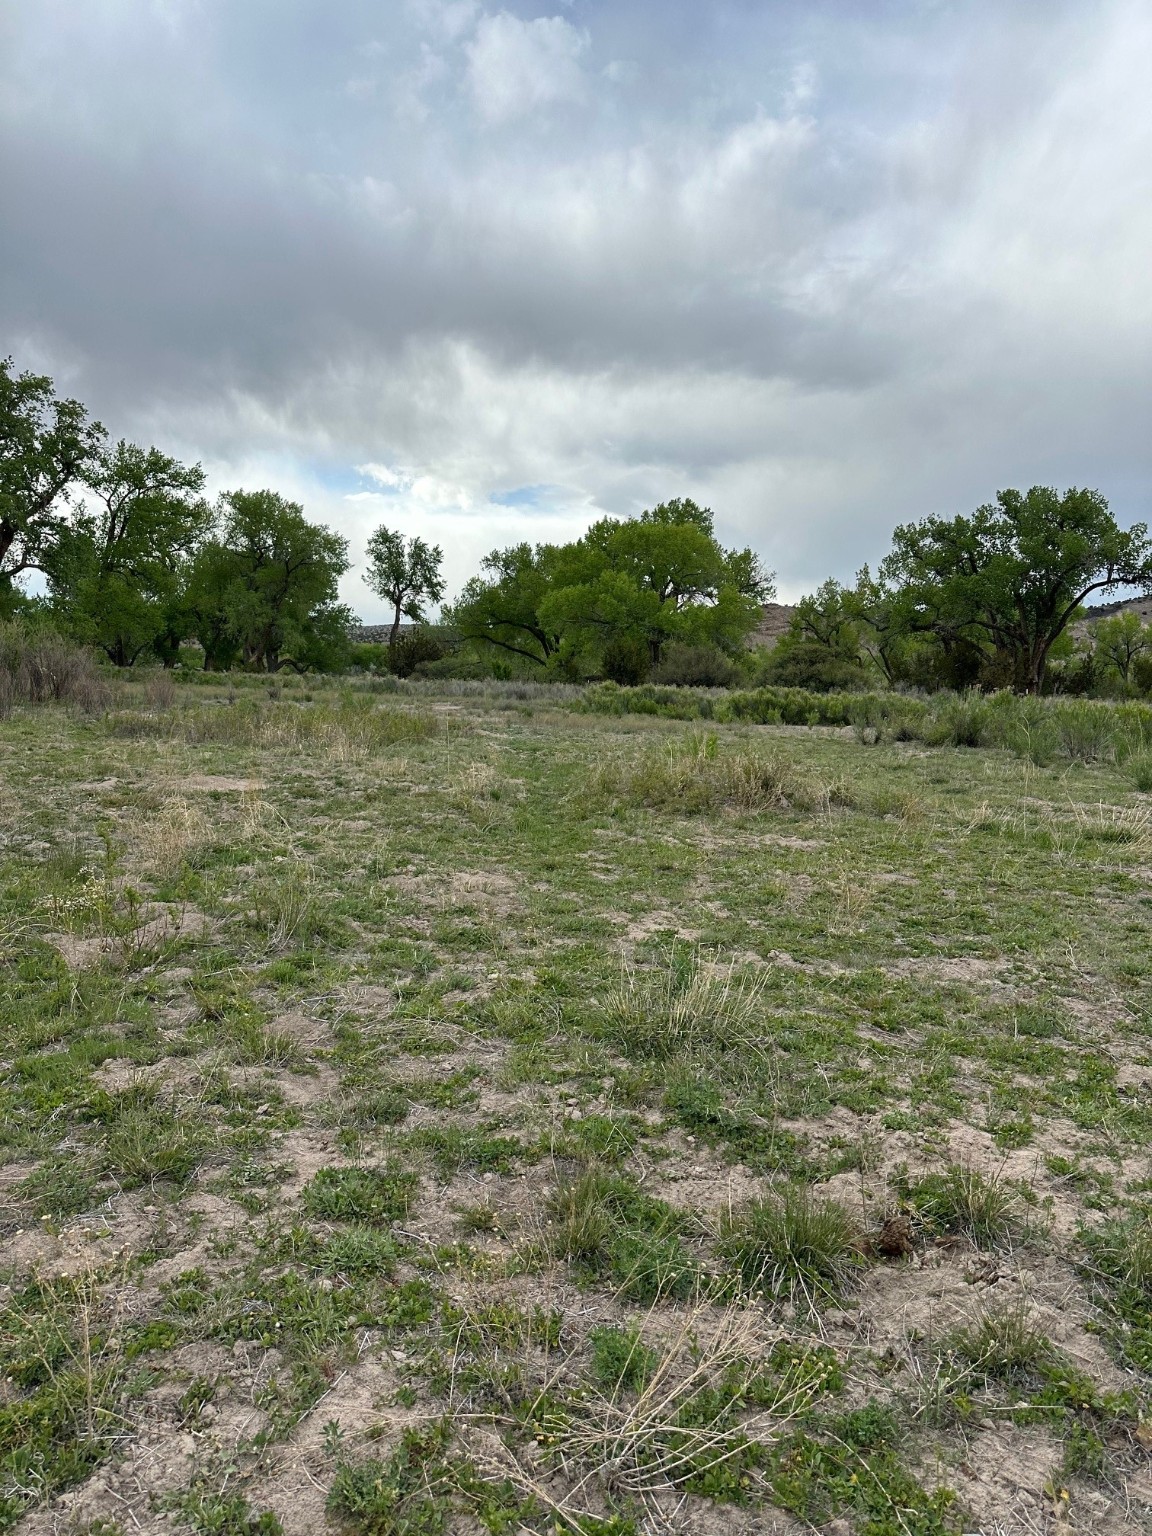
(474, 1106)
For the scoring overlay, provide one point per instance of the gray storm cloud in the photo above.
(824, 266)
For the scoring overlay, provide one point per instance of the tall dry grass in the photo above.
(350, 729)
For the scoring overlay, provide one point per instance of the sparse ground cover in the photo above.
(434, 1113)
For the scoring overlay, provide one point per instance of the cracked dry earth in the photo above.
(449, 1137)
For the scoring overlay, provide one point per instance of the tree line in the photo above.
(137, 563)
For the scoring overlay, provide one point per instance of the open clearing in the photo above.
(464, 1115)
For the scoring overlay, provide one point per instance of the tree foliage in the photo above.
(46, 446)
(406, 573)
(118, 566)
(614, 599)
(1011, 577)
(266, 587)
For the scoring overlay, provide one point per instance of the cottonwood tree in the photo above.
(46, 445)
(501, 607)
(117, 568)
(1012, 576)
(615, 598)
(1121, 640)
(406, 573)
(266, 588)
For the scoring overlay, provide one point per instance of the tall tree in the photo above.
(406, 573)
(117, 568)
(1013, 574)
(46, 445)
(501, 608)
(624, 590)
(1120, 639)
(267, 587)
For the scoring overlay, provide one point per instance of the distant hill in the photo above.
(377, 634)
(1138, 605)
(774, 621)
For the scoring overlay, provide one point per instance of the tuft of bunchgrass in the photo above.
(683, 1007)
(607, 1227)
(792, 1244)
(694, 776)
(351, 730)
(1002, 1345)
(962, 1200)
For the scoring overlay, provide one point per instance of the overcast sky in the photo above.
(485, 273)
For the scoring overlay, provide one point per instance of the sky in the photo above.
(485, 273)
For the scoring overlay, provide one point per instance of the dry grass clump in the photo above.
(684, 1007)
(684, 1421)
(352, 729)
(41, 668)
(693, 776)
(180, 829)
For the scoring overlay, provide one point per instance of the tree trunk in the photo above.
(395, 628)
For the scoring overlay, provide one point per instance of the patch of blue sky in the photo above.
(524, 496)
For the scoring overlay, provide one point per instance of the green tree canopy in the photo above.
(266, 588)
(501, 606)
(1012, 576)
(46, 445)
(626, 588)
(116, 570)
(1120, 640)
(406, 573)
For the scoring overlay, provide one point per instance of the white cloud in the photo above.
(515, 66)
(821, 297)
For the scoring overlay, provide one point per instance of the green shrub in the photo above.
(809, 665)
(696, 666)
(962, 720)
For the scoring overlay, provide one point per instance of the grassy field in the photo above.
(462, 1114)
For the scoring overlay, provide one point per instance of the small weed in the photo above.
(454, 1147)
(407, 1495)
(360, 1250)
(213, 1513)
(621, 1361)
(374, 1195)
